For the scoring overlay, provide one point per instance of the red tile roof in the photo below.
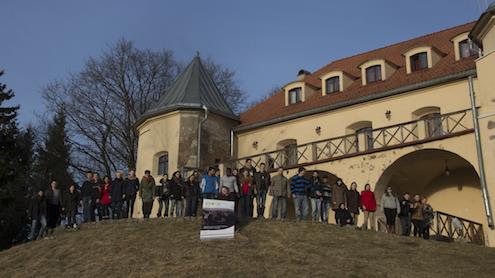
(274, 106)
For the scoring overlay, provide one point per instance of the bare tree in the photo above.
(104, 100)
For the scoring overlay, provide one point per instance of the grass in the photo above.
(262, 248)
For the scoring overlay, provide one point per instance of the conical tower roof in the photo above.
(191, 90)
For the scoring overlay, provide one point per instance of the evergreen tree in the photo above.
(53, 155)
(15, 166)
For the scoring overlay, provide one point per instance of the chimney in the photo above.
(302, 74)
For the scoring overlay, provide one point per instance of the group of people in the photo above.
(177, 197)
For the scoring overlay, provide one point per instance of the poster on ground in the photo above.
(218, 220)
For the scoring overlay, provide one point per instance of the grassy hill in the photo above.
(171, 248)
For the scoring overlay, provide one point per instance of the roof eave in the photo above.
(479, 27)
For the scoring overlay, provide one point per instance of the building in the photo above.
(396, 116)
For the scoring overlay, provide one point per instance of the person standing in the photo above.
(209, 185)
(117, 194)
(131, 189)
(97, 187)
(316, 196)
(230, 181)
(87, 195)
(163, 195)
(248, 166)
(368, 204)
(176, 194)
(417, 216)
(146, 192)
(299, 187)
(53, 206)
(353, 200)
(71, 202)
(261, 184)
(247, 192)
(106, 199)
(191, 193)
(339, 190)
(428, 214)
(279, 190)
(326, 189)
(405, 214)
(37, 212)
(391, 207)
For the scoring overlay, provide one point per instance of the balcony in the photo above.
(400, 135)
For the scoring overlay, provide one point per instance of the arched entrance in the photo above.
(449, 181)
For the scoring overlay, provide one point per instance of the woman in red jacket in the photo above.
(368, 203)
(106, 200)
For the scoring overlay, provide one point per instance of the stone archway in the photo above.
(449, 181)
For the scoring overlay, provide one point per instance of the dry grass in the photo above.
(159, 248)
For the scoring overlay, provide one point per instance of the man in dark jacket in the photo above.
(405, 214)
(71, 202)
(116, 193)
(37, 212)
(87, 194)
(261, 184)
(131, 188)
(316, 197)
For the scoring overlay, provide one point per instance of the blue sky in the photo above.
(265, 42)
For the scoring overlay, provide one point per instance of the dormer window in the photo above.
(467, 49)
(295, 95)
(333, 84)
(419, 61)
(373, 74)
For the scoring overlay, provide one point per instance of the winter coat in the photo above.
(316, 189)
(368, 201)
(87, 189)
(405, 208)
(338, 195)
(209, 184)
(71, 201)
(418, 211)
(299, 185)
(37, 207)
(428, 214)
(147, 189)
(353, 201)
(326, 191)
(191, 189)
(117, 190)
(390, 202)
(131, 187)
(247, 187)
(279, 186)
(176, 189)
(261, 181)
(54, 197)
(105, 194)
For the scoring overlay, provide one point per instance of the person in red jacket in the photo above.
(106, 200)
(368, 203)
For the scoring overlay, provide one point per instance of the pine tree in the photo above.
(54, 154)
(15, 166)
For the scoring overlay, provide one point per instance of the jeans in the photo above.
(147, 206)
(177, 206)
(279, 202)
(418, 227)
(315, 209)
(34, 224)
(116, 210)
(247, 206)
(191, 205)
(71, 217)
(325, 206)
(405, 223)
(131, 200)
(260, 202)
(105, 211)
(369, 216)
(88, 209)
(301, 207)
(163, 205)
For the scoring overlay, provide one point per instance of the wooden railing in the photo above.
(394, 136)
(453, 228)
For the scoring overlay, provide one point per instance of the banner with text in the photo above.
(218, 220)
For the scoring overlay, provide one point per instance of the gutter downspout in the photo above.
(481, 165)
(198, 161)
(231, 143)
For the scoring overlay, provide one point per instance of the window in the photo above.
(333, 84)
(163, 164)
(467, 49)
(366, 133)
(419, 61)
(288, 153)
(433, 124)
(295, 95)
(373, 74)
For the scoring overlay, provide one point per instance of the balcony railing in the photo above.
(394, 136)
